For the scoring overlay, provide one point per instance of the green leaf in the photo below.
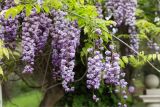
(158, 57)
(56, 4)
(154, 56)
(86, 29)
(110, 22)
(6, 52)
(1, 71)
(38, 8)
(46, 9)
(1, 53)
(149, 57)
(8, 13)
(16, 1)
(81, 1)
(122, 65)
(28, 9)
(13, 11)
(19, 8)
(125, 59)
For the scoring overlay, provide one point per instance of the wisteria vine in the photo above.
(103, 61)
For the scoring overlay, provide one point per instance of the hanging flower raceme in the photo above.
(9, 27)
(35, 32)
(124, 14)
(113, 74)
(99, 10)
(65, 39)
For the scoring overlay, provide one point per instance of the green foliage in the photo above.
(29, 99)
(147, 29)
(138, 61)
(4, 52)
(149, 7)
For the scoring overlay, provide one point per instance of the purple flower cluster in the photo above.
(99, 10)
(153, 46)
(65, 39)
(8, 30)
(134, 40)
(8, 4)
(9, 27)
(123, 11)
(112, 72)
(112, 68)
(124, 14)
(95, 66)
(35, 31)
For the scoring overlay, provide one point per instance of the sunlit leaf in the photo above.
(6, 52)
(1, 71)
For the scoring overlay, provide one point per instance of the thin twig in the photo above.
(46, 70)
(136, 52)
(61, 82)
(81, 77)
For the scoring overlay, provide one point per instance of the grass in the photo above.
(29, 99)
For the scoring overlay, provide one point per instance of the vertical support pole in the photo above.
(1, 104)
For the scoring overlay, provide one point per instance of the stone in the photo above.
(153, 91)
(152, 97)
(152, 81)
(153, 105)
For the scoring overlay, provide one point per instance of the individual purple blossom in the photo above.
(95, 98)
(153, 46)
(119, 104)
(123, 83)
(28, 69)
(124, 105)
(131, 89)
(125, 96)
(98, 31)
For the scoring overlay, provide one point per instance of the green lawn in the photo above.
(29, 99)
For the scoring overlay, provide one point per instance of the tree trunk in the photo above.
(52, 96)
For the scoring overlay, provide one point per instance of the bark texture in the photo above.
(52, 96)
